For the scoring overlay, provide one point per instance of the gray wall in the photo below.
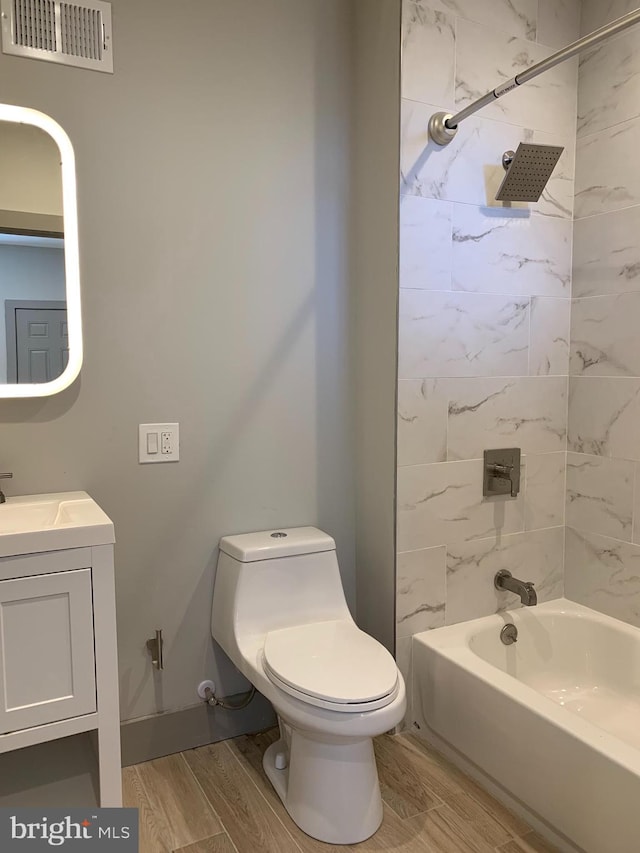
(213, 204)
(376, 164)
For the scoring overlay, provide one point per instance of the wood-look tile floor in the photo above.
(217, 799)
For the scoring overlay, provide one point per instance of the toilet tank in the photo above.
(275, 579)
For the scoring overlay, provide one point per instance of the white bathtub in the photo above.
(554, 719)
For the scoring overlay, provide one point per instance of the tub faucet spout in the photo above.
(505, 580)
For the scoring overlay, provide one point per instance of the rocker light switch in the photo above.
(158, 443)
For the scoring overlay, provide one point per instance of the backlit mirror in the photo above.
(40, 319)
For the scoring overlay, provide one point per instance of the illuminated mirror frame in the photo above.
(22, 115)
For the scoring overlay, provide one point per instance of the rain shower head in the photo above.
(528, 171)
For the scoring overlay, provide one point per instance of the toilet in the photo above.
(280, 614)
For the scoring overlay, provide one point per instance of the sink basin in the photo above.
(35, 523)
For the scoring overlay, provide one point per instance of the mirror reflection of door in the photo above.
(32, 262)
(37, 340)
(31, 272)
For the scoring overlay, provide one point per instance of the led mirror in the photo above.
(40, 319)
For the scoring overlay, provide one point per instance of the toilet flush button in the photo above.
(278, 535)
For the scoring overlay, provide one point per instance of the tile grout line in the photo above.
(441, 802)
(472, 796)
(260, 794)
(633, 502)
(208, 838)
(502, 121)
(418, 814)
(225, 831)
(591, 215)
(584, 530)
(413, 744)
(534, 213)
(165, 841)
(529, 337)
(411, 747)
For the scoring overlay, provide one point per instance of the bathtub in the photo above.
(551, 722)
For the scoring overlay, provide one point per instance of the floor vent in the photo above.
(76, 34)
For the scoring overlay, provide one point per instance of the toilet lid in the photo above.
(334, 661)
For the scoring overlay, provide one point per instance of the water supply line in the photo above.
(444, 126)
(211, 699)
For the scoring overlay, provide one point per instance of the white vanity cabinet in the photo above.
(46, 649)
(58, 655)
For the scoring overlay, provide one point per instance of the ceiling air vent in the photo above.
(68, 33)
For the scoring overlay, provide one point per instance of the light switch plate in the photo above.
(158, 443)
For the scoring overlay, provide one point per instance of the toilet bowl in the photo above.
(280, 614)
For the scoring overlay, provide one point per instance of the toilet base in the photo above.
(329, 787)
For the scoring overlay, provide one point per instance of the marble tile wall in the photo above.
(603, 499)
(485, 301)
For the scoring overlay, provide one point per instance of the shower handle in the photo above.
(505, 472)
(501, 472)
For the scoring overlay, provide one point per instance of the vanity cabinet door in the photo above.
(46, 649)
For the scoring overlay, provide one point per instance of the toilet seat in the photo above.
(331, 665)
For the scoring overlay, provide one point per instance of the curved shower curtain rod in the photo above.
(444, 126)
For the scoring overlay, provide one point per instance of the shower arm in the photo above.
(444, 126)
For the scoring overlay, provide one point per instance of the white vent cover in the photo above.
(68, 33)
